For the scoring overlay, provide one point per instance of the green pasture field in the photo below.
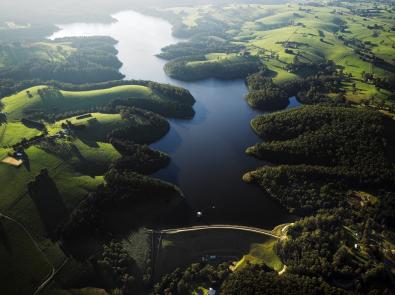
(97, 125)
(63, 101)
(96, 154)
(13, 132)
(317, 31)
(23, 266)
(216, 58)
(72, 186)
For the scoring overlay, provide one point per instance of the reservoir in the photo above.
(208, 151)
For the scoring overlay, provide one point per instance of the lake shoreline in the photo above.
(207, 152)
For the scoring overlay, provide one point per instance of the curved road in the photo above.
(220, 226)
(233, 227)
(53, 271)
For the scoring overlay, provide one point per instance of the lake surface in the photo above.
(208, 151)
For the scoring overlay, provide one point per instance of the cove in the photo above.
(208, 151)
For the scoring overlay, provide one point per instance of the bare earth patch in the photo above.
(12, 161)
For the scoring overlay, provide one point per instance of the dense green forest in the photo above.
(199, 45)
(110, 208)
(198, 68)
(138, 158)
(264, 94)
(143, 126)
(342, 145)
(71, 60)
(327, 159)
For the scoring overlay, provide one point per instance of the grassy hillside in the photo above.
(65, 160)
(359, 41)
(13, 132)
(47, 102)
(58, 101)
(20, 260)
(42, 216)
(96, 126)
(14, 181)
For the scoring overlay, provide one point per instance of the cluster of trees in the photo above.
(325, 154)
(301, 67)
(138, 158)
(142, 126)
(182, 69)
(187, 281)
(268, 96)
(115, 268)
(198, 46)
(98, 214)
(161, 107)
(258, 279)
(40, 114)
(264, 94)
(173, 93)
(302, 189)
(263, 280)
(61, 148)
(324, 78)
(320, 246)
(94, 60)
(9, 86)
(164, 107)
(342, 137)
(384, 212)
(49, 93)
(25, 143)
(380, 82)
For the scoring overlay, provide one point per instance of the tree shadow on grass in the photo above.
(77, 153)
(4, 238)
(26, 160)
(87, 167)
(86, 140)
(48, 201)
(270, 73)
(327, 42)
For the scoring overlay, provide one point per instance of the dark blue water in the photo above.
(208, 152)
(209, 160)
